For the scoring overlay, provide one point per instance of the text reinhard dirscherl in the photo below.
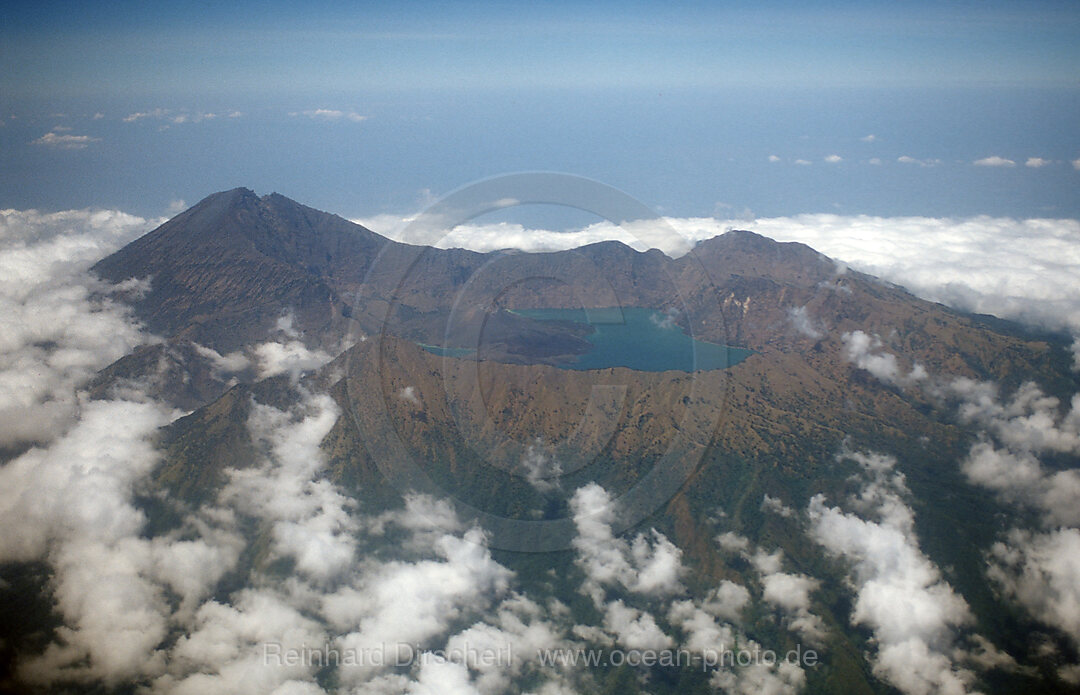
(405, 655)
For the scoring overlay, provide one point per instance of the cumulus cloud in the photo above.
(139, 115)
(905, 159)
(776, 506)
(705, 635)
(665, 320)
(773, 158)
(224, 365)
(869, 138)
(994, 161)
(733, 542)
(64, 141)
(330, 115)
(516, 634)
(900, 593)
(121, 592)
(834, 159)
(1036, 568)
(239, 647)
(1015, 269)
(1033, 567)
(1076, 164)
(401, 594)
(865, 351)
(791, 593)
(1029, 420)
(59, 324)
(292, 358)
(1041, 570)
(1021, 478)
(176, 117)
(650, 564)
(802, 162)
(309, 519)
(801, 321)
(70, 503)
(409, 395)
(401, 602)
(540, 468)
(634, 629)
(1036, 162)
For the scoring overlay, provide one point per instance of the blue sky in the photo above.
(694, 108)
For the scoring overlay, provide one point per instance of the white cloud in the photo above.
(1036, 162)
(1028, 421)
(1042, 572)
(331, 115)
(440, 677)
(515, 635)
(176, 117)
(224, 365)
(195, 117)
(309, 518)
(231, 648)
(776, 506)
(801, 321)
(782, 678)
(411, 602)
(540, 468)
(773, 158)
(900, 594)
(71, 503)
(791, 593)
(1076, 164)
(1015, 269)
(803, 162)
(834, 159)
(905, 159)
(869, 138)
(409, 395)
(56, 328)
(292, 358)
(865, 351)
(876, 161)
(139, 115)
(634, 629)
(665, 320)
(65, 142)
(650, 564)
(994, 161)
(733, 542)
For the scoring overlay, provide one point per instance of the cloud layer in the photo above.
(900, 593)
(1017, 269)
(59, 325)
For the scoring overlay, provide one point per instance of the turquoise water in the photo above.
(643, 339)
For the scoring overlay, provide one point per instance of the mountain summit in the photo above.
(221, 271)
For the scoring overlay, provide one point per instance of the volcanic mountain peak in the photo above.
(239, 222)
(745, 253)
(222, 271)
